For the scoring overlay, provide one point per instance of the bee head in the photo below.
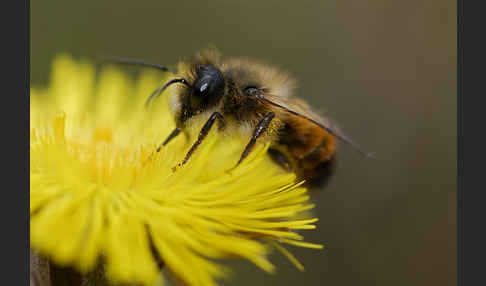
(208, 88)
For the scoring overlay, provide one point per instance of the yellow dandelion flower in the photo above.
(98, 189)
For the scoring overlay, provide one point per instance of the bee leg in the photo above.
(279, 158)
(259, 130)
(171, 136)
(203, 133)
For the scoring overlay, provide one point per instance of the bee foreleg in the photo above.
(259, 130)
(171, 136)
(203, 133)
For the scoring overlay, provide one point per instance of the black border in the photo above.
(14, 118)
(471, 197)
(460, 59)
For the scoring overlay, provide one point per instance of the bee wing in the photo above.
(294, 106)
(299, 108)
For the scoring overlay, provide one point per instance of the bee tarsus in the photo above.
(259, 130)
(171, 136)
(204, 132)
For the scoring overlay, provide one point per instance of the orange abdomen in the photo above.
(310, 150)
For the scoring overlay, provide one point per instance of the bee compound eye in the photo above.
(210, 81)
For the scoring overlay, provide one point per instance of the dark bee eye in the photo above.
(209, 82)
(251, 90)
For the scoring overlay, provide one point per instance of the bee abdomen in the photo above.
(316, 172)
(312, 158)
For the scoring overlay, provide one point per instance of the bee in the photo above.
(256, 101)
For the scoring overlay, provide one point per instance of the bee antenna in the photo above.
(161, 89)
(125, 61)
(335, 133)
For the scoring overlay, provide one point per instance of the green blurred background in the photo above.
(384, 70)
